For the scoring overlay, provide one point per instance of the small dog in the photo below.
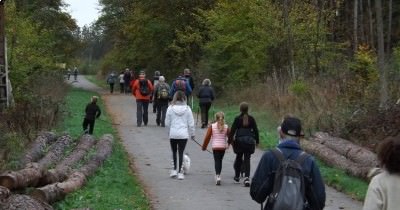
(186, 163)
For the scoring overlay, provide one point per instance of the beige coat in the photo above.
(383, 192)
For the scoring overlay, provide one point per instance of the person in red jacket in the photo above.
(142, 90)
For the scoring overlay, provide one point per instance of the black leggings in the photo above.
(218, 156)
(178, 145)
(238, 164)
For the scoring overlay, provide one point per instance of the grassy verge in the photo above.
(354, 187)
(113, 186)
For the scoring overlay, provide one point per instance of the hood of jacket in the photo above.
(179, 109)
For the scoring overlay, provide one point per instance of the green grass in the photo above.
(114, 186)
(354, 187)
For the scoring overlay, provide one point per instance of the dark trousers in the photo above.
(161, 112)
(111, 87)
(121, 87)
(218, 156)
(142, 112)
(178, 145)
(204, 109)
(87, 123)
(127, 88)
(242, 158)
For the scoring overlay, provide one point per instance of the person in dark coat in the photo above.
(262, 183)
(92, 112)
(161, 99)
(206, 97)
(155, 81)
(127, 81)
(244, 138)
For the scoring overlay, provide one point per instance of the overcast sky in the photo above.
(83, 11)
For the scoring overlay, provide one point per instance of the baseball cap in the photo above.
(292, 126)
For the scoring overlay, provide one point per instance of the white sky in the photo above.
(83, 11)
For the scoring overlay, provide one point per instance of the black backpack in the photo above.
(144, 87)
(288, 192)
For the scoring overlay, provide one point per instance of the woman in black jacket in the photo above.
(244, 138)
(206, 97)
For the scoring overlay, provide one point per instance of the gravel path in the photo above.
(149, 150)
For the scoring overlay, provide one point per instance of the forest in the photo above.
(334, 63)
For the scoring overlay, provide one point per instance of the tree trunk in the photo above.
(30, 175)
(288, 28)
(371, 25)
(384, 95)
(346, 148)
(64, 168)
(10, 201)
(57, 191)
(355, 26)
(332, 158)
(389, 33)
(38, 147)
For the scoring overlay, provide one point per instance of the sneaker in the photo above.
(236, 180)
(246, 182)
(217, 179)
(181, 176)
(173, 173)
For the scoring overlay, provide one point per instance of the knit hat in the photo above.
(292, 126)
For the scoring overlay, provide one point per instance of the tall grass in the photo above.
(114, 186)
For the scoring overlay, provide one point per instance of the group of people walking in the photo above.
(171, 103)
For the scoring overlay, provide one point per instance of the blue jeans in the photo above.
(142, 112)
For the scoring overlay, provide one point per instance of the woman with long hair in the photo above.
(180, 122)
(244, 138)
(384, 188)
(218, 133)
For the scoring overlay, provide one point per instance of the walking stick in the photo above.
(192, 102)
(197, 115)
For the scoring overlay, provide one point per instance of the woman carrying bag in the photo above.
(244, 138)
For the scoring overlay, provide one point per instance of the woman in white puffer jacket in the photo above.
(180, 122)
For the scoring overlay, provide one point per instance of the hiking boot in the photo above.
(181, 176)
(236, 180)
(246, 182)
(173, 173)
(217, 179)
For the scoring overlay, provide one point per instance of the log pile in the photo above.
(355, 160)
(61, 180)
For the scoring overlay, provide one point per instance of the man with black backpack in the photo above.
(142, 90)
(286, 176)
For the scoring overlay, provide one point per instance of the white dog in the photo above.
(185, 163)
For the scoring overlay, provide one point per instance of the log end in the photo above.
(39, 195)
(7, 181)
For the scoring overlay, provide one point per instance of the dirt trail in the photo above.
(149, 149)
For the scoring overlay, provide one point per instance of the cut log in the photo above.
(346, 148)
(38, 146)
(56, 151)
(57, 191)
(332, 158)
(30, 175)
(64, 168)
(10, 201)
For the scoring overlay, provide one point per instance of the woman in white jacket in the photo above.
(180, 122)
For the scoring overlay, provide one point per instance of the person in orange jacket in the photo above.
(142, 90)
